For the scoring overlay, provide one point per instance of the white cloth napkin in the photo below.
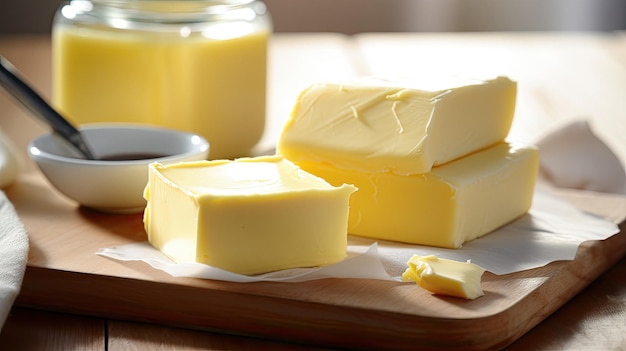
(13, 256)
(9, 161)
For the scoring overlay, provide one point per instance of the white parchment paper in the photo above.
(551, 231)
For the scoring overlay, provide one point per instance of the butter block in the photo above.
(248, 216)
(445, 277)
(403, 127)
(449, 205)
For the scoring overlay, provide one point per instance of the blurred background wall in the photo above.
(354, 16)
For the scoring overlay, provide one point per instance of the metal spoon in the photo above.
(22, 92)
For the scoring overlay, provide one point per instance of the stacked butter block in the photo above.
(428, 157)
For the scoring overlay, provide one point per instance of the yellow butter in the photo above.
(206, 85)
(445, 277)
(449, 205)
(398, 126)
(247, 216)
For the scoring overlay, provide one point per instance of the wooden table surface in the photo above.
(561, 77)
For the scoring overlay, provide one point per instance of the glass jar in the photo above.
(193, 65)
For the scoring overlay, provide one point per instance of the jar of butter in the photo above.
(193, 65)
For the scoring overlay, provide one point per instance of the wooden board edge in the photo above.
(299, 321)
(574, 276)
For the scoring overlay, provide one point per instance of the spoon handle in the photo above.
(23, 93)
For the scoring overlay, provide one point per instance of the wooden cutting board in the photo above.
(65, 274)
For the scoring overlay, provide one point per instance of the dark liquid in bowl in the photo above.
(131, 157)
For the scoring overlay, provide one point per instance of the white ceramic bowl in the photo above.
(114, 186)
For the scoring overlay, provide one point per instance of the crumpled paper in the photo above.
(551, 231)
(573, 156)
